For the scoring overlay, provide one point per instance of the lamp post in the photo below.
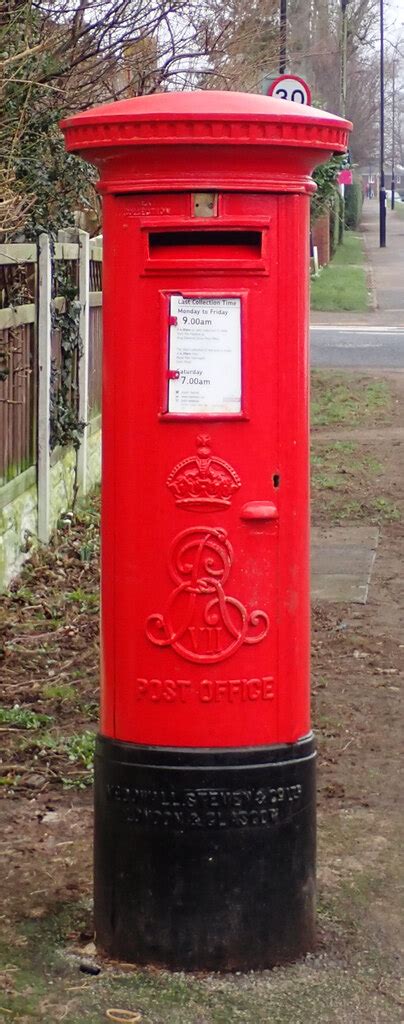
(395, 93)
(344, 43)
(382, 190)
(342, 98)
(393, 131)
(283, 15)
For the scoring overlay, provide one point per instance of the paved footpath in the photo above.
(387, 265)
(386, 273)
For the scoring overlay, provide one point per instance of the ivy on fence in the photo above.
(66, 427)
(325, 177)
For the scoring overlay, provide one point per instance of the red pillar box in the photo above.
(205, 806)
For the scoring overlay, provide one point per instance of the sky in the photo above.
(394, 18)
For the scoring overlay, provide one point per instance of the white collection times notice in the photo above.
(205, 352)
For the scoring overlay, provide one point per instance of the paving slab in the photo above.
(342, 559)
(386, 263)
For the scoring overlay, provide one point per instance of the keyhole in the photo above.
(276, 479)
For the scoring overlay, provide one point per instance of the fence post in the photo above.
(44, 373)
(84, 291)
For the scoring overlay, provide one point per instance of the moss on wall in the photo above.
(18, 525)
(94, 459)
(18, 504)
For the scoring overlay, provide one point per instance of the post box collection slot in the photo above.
(210, 243)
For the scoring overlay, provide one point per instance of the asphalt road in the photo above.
(364, 347)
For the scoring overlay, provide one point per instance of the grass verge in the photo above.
(342, 284)
(351, 479)
(350, 252)
(348, 484)
(348, 399)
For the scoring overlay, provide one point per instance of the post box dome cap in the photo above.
(204, 116)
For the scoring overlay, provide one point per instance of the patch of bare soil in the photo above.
(49, 653)
(358, 651)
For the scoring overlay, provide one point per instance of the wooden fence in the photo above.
(31, 356)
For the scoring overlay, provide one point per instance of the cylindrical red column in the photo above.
(205, 804)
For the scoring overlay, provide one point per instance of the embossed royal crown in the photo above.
(203, 480)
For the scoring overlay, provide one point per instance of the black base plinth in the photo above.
(205, 859)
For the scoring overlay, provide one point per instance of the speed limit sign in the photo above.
(290, 87)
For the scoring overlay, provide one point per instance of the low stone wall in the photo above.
(19, 503)
(62, 480)
(94, 453)
(18, 523)
(321, 238)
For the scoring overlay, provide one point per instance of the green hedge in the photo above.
(353, 205)
(336, 215)
(341, 220)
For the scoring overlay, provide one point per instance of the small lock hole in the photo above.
(276, 479)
